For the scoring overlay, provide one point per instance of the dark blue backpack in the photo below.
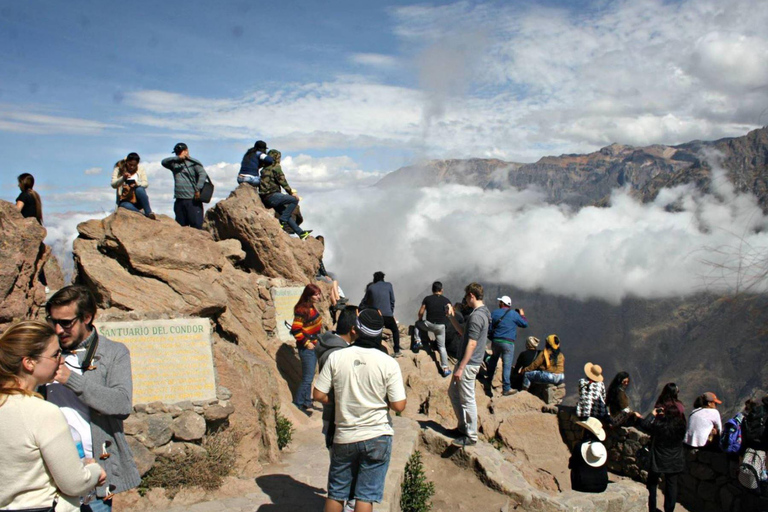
(730, 440)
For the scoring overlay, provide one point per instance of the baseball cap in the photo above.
(178, 148)
(505, 300)
(711, 397)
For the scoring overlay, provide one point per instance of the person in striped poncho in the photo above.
(306, 328)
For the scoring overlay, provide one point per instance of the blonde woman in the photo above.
(39, 465)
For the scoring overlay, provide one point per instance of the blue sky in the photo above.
(357, 89)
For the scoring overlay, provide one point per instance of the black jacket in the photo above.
(667, 434)
(585, 478)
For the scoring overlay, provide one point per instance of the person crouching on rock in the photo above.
(272, 182)
(130, 181)
(589, 471)
(306, 328)
(548, 367)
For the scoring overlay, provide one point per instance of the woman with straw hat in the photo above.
(589, 471)
(592, 394)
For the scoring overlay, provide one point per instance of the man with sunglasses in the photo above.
(94, 390)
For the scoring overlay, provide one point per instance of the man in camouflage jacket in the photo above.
(272, 182)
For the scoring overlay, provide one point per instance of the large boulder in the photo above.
(269, 250)
(23, 256)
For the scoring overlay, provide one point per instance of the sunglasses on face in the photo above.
(65, 323)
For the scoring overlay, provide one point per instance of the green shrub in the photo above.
(417, 492)
(284, 427)
(206, 470)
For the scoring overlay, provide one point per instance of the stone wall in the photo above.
(709, 483)
(166, 430)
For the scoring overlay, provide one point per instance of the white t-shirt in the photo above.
(363, 379)
(78, 414)
(700, 424)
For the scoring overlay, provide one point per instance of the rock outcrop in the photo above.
(24, 258)
(144, 269)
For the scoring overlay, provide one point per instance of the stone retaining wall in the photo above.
(709, 483)
(165, 430)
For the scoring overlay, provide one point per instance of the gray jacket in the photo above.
(380, 296)
(188, 176)
(108, 392)
(329, 343)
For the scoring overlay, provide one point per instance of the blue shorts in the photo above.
(367, 461)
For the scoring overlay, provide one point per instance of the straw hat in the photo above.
(594, 426)
(594, 453)
(594, 372)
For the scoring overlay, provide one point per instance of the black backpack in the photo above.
(753, 427)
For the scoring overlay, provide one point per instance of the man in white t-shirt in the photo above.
(703, 421)
(366, 383)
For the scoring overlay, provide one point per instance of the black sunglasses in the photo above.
(65, 323)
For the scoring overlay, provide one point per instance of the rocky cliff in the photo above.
(580, 180)
(140, 268)
(26, 266)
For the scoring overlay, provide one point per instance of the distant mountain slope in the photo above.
(581, 180)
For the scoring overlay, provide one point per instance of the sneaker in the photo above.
(286, 228)
(446, 372)
(463, 442)
(151, 215)
(349, 506)
(510, 392)
(305, 234)
(397, 354)
(416, 347)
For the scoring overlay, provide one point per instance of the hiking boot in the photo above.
(446, 372)
(151, 215)
(463, 441)
(509, 392)
(305, 234)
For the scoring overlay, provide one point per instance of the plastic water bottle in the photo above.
(78, 441)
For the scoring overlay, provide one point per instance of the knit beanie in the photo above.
(370, 325)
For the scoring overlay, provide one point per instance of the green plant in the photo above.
(496, 443)
(205, 469)
(284, 428)
(416, 490)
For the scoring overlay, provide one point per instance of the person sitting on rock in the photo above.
(526, 357)
(306, 328)
(188, 180)
(589, 471)
(253, 160)
(337, 295)
(592, 394)
(704, 422)
(28, 202)
(130, 181)
(548, 367)
(618, 402)
(272, 182)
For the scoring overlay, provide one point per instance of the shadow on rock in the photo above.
(289, 495)
(289, 366)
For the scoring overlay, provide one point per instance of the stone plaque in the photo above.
(285, 299)
(171, 360)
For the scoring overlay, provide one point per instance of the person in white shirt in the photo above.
(39, 463)
(366, 383)
(704, 422)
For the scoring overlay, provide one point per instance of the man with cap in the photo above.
(188, 179)
(381, 296)
(704, 422)
(503, 333)
(592, 394)
(366, 384)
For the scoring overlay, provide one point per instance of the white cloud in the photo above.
(375, 60)
(35, 120)
(92, 171)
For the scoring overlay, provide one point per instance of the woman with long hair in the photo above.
(306, 328)
(39, 463)
(130, 181)
(667, 426)
(28, 202)
(618, 401)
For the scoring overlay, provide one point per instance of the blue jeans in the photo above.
(249, 179)
(97, 505)
(308, 363)
(284, 204)
(507, 353)
(141, 198)
(189, 213)
(541, 376)
(368, 461)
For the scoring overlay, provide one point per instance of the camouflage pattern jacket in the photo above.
(272, 177)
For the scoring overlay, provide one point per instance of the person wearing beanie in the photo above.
(592, 394)
(525, 358)
(548, 367)
(366, 383)
(188, 180)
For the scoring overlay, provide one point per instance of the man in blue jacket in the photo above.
(380, 295)
(253, 160)
(503, 333)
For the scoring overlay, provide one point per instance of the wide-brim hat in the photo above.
(594, 453)
(594, 372)
(594, 426)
